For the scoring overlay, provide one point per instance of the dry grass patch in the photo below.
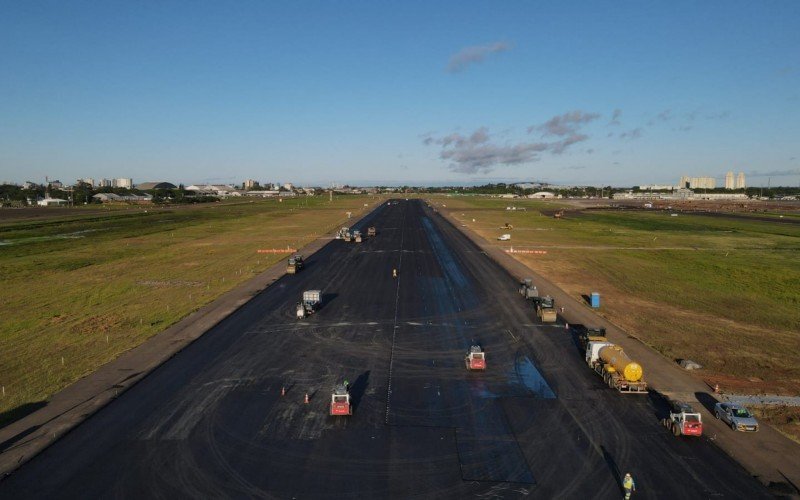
(72, 305)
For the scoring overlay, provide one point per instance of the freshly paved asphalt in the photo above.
(211, 422)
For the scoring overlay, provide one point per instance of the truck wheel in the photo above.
(733, 426)
(676, 430)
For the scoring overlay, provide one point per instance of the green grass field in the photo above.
(722, 291)
(78, 290)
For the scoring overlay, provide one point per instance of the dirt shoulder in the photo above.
(767, 455)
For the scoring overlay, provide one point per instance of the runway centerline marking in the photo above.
(396, 309)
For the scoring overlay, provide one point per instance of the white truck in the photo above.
(312, 299)
(503, 237)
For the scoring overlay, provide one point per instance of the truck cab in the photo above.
(340, 401)
(593, 350)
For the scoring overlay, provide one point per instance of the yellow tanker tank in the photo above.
(614, 357)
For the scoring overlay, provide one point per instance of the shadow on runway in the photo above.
(327, 298)
(612, 465)
(359, 387)
(707, 400)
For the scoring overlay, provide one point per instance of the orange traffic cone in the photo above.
(283, 391)
(306, 400)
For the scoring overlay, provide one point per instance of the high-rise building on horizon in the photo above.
(698, 182)
(729, 182)
(740, 181)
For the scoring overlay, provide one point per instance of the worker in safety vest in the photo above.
(628, 485)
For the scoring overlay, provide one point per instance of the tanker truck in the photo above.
(618, 370)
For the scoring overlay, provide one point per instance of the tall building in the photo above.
(123, 183)
(729, 184)
(698, 182)
(740, 181)
(684, 183)
(249, 183)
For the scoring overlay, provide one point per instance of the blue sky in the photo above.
(595, 93)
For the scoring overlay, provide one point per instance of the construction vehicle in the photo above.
(295, 264)
(340, 401)
(507, 226)
(357, 236)
(340, 234)
(558, 214)
(312, 299)
(371, 231)
(683, 420)
(475, 359)
(348, 236)
(587, 335)
(616, 368)
(527, 289)
(545, 308)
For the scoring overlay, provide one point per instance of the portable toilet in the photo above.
(595, 300)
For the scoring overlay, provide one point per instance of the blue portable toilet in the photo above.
(595, 300)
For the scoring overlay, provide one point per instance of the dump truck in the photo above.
(683, 420)
(527, 289)
(312, 299)
(475, 359)
(545, 308)
(343, 231)
(340, 401)
(590, 334)
(371, 232)
(294, 264)
(357, 236)
(616, 368)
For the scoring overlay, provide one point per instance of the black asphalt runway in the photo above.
(211, 422)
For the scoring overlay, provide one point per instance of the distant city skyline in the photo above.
(412, 93)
